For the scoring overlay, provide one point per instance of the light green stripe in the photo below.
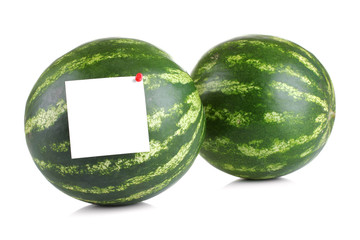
(139, 42)
(125, 41)
(262, 66)
(45, 118)
(236, 59)
(294, 45)
(305, 62)
(242, 58)
(223, 145)
(94, 43)
(107, 167)
(60, 147)
(232, 43)
(266, 45)
(236, 118)
(69, 55)
(328, 84)
(288, 70)
(146, 192)
(104, 167)
(81, 63)
(63, 170)
(192, 114)
(171, 75)
(308, 151)
(299, 57)
(280, 146)
(298, 95)
(276, 117)
(205, 68)
(228, 87)
(269, 68)
(268, 168)
(252, 42)
(155, 120)
(162, 170)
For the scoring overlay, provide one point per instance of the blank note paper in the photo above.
(107, 116)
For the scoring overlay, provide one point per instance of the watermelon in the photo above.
(175, 119)
(269, 106)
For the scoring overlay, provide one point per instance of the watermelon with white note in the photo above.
(175, 122)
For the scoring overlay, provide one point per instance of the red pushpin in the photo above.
(138, 77)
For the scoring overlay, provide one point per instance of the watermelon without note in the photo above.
(269, 106)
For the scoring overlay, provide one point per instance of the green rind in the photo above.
(286, 100)
(175, 119)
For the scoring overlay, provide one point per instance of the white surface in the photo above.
(320, 201)
(113, 110)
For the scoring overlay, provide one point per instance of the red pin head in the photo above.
(138, 77)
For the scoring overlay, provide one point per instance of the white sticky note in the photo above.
(106, 116)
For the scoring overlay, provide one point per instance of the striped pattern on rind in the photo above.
(175, 119)
(269, 103)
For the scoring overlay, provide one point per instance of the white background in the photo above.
(320, 201)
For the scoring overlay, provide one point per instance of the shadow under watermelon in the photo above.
(252, 183)
(101, 210)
